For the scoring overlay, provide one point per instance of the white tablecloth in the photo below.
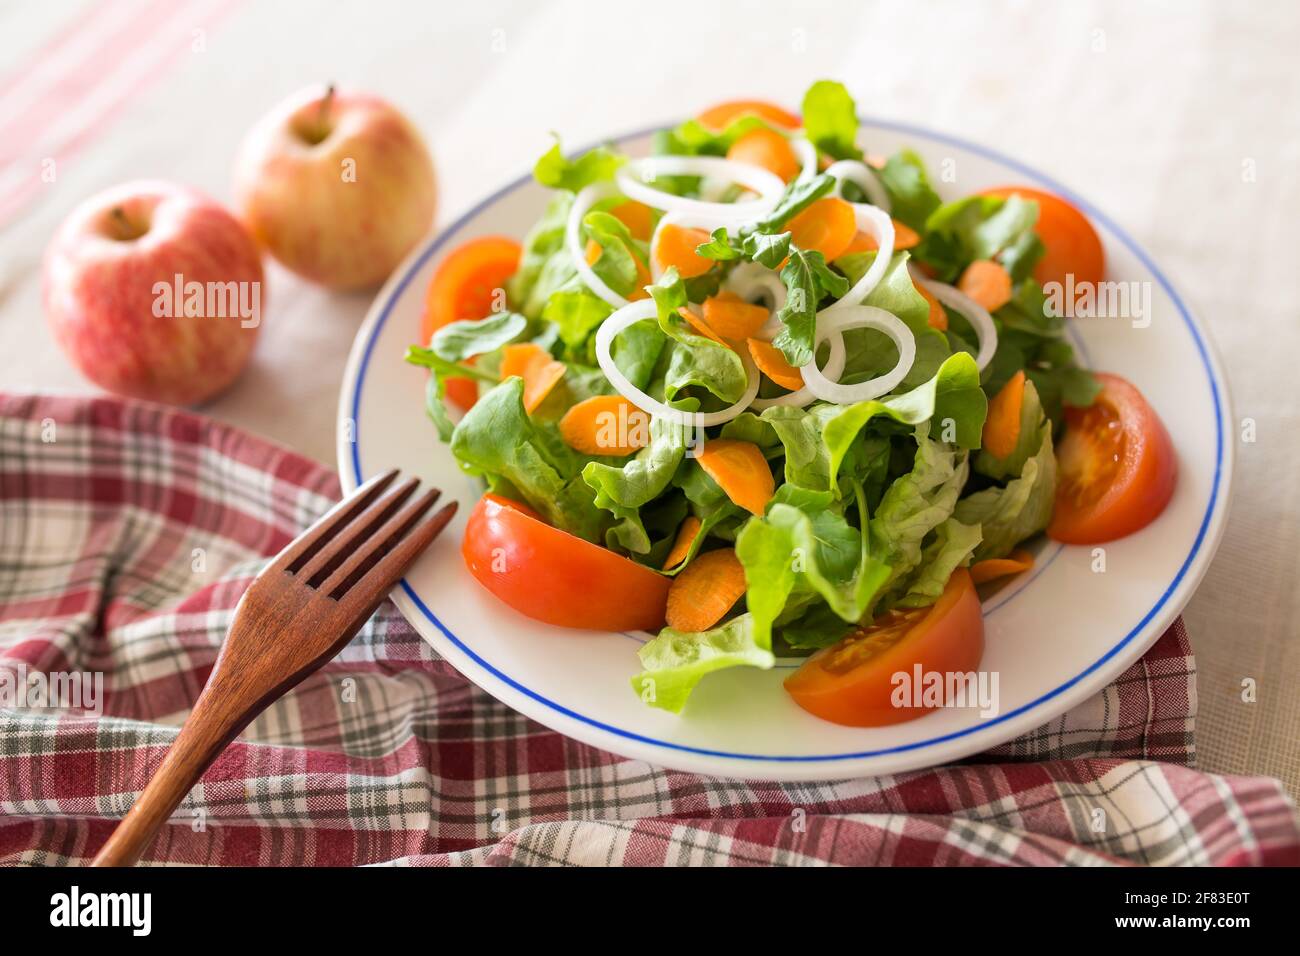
(1178, 119)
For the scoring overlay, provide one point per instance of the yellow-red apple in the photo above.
(338, 186)
(154, 291)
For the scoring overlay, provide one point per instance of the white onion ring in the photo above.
(972, 311)
(863, 176)
(806, 152)
(638, 312)
(768, 186)
(582, 204)
(881, 227)
(835, 321)
(804, 396)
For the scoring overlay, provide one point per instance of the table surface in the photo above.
(1178, 120)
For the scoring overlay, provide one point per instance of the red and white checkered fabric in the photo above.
(128, 533)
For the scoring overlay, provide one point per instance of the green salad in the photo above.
(781, 385)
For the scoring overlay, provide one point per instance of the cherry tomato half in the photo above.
(852, 682)
(1116, 467)
(465, 287)
(556, 577)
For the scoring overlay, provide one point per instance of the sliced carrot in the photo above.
(637, 217)
(905, 237)
(766, 148)
(828, 225)
(987, 283)
(771, 362)
(740, 470)
(1002, 427)
(705, 591)
(699, 325)
(605, 425)
(732, 317)
(993, 568)
(938, 317)
(682, 546)
(876, 161)
(722, 115)
(676, 245)
(535, 366)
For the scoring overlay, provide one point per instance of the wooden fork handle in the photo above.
(199, 743)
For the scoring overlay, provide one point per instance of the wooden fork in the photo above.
(297, 614)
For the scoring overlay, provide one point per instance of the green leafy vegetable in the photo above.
(555, 171)
(458, 341)
(675, 662)
(911, 197)
(830, 119)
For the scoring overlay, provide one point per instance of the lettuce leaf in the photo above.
(623, 489)
(457, 341)
(545, 265)
(950, 547)
(675, 661)
(497, 440)
(912, 199)
(556, 171)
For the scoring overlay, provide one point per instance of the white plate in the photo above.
(1054, 637)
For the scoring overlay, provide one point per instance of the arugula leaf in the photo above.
(766, 248)
(830, 119)
(798, 196)
(435, 392)
(458, 341)
(803, 275)
(555, 171)
(911, 197)
(719, 247)
(676, 661)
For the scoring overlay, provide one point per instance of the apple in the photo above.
(154, 291)
(338, 186)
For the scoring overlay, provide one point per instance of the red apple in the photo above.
(154, 291)
(337, 186)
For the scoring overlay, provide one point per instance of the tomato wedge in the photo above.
(1073, 246)
(852, 682)
(556, 577)
(465, 287)
(1116, 467)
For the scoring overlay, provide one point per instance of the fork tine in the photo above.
(303, 547)
(335, 549)
(371, 588)
(377, 545)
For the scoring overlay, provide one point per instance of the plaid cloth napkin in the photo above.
(127, 534)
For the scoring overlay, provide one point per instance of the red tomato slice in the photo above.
(1116, 467)
(465, 287)
(555, 577)
(852, 682)
(1073, 246)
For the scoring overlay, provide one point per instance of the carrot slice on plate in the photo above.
(535, 366)
(740, 470)
(605, 425)
(766, 148)
(994, 568)
(701, 326)
(827, 225)
(705, 591)
(771, 362)
(638, 218)
(690, 527)
(732, 317)
(905, 237)
(938, 318)
(675, 246)
(987, 283)
(1002, 426)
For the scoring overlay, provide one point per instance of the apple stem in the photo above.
(123, 224)
(322, 120)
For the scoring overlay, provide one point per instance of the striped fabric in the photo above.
(129, 531)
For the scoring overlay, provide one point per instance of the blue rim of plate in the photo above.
(414, 267)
